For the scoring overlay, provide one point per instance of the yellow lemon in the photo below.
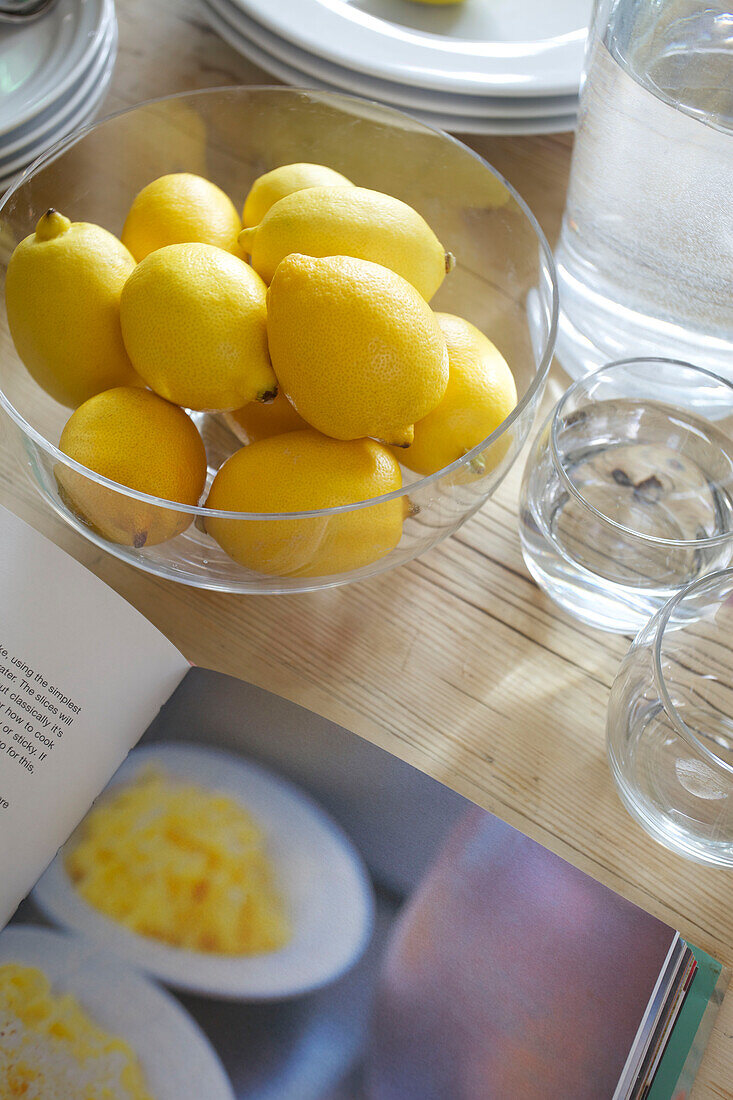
(274, 185)
(62, 293)
(349, 221)
(194, 321)
(177, 209)
(356, 349)
(305, 471)
(137, 439)
(258, 421)
(480, 395)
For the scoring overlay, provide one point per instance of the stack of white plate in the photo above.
(478, 67)
(55, 72)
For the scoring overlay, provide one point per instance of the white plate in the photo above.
(41, 60)
(400, 95)
(321, 875)
(177, 1058)
(452, 123)
(78, 122)
(21, 136)
(479, 47)
(80, 106)
(81, 119)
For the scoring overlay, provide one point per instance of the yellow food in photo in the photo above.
(50, 1049)
(178, 863)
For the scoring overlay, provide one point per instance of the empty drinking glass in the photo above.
(627, 493)
(670, 723)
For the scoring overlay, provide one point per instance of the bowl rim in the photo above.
(535, 385)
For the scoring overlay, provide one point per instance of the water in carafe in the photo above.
(645, 258)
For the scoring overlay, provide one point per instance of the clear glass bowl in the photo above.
(504, 283)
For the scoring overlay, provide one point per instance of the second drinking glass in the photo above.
(670, 724)
(627, 493)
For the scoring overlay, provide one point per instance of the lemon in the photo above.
(480, 395)
(178, 209)
(305, 471)
(62, 293)
(274, 185)
(357, 350)
(258, 421)
(137, 439)
(349, 221)
(194, 322)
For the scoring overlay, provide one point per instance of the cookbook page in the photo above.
(81, 676)
(264, 906)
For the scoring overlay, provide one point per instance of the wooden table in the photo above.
(456, 662)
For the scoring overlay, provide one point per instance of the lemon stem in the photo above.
(266, 396)
(246, 239)
(52, 224)
(400, 439)
(450, 262)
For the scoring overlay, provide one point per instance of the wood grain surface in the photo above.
(456, 662)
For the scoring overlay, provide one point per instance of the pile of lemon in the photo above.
(321, 352)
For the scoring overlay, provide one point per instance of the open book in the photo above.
(263, 905)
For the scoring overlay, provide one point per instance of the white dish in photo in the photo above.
(405, 96)
(41, 59)
(452, 123)
(479, 47)
(178, 1061)
(318, 871)
(81, 107)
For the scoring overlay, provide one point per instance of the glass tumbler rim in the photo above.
(659, 627)
(629, 532)
(535, 386)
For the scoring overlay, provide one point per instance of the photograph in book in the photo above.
(262, 905)
(331, 924)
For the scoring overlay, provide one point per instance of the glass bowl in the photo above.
(504, 283)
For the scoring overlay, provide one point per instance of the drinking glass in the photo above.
(670, 723)
(627, 493)
(646, 250)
